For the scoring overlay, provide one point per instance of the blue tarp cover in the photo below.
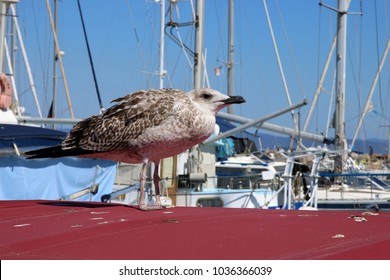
(53, 178)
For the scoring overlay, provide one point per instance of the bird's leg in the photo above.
(156, 181)
(142, 178)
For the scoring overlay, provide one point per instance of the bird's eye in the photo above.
(206, 95)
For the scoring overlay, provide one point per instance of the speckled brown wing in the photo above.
(120, 125)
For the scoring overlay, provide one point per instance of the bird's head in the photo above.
(213, 100)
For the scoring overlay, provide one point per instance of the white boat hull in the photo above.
(210, 197)
(217, 197)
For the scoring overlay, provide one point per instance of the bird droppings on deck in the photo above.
(338, 236)
(70, 210)
(76, 225)
(170, 221)
(98, 213)
(358, 218)
(308, 215)
(369, 213)
(22, 225)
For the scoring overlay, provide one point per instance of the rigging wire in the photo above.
(90, 58)
(357, 75)
(137, 39)
(220, 41)
(185, 50)
(278, 59)
(155, 41)
(239, 83)
(329, 120)
(172, 31)
(183, 47)
(378, 55)
(318, 60)
(384, 108)
(41, 58)
(290, 50)
(320, 74)
(108, 31)
(360, 58)
(319, 38)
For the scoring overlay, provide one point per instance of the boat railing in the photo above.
(310, 198)
(120, 192)
(93, 190)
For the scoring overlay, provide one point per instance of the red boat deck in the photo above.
(75, 230)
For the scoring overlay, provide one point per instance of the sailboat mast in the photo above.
(4, 4)
(54, 102)
(162, 42)
(56, 44)
(230, 64)
(199, 30)
(340, 140)
(3, 7)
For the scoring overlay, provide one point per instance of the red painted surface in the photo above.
(75, 230)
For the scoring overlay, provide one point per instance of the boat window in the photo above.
(228, 182)
(209, 202)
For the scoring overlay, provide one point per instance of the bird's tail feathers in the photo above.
(56, 152)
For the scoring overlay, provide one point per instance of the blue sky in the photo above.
(124, 40)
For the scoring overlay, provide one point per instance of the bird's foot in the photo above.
(145, 207)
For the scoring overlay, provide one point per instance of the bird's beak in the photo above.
(234, 100)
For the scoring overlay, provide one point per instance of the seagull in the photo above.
(144, 127)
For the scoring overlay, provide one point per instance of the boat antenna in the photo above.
(90, 59)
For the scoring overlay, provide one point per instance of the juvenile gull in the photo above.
(144, 127)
